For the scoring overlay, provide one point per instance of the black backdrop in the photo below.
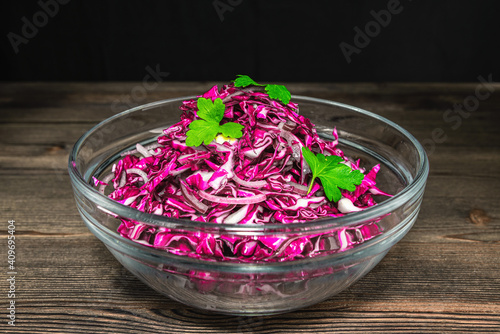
(278, 40)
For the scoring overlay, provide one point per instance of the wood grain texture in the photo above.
(443, 277)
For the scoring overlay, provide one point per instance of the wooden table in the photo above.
(444, 276)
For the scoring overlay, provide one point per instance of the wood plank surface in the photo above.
(443, 277)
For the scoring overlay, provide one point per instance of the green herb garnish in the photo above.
(205, 130)
(278, 92)
(332, 173)
(244, 80)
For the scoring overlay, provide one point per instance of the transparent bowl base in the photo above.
(246, 298)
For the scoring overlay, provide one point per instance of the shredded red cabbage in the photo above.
(260, 178)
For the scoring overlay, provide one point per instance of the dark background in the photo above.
(275, 40)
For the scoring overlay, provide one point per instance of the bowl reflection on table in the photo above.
(257, 288)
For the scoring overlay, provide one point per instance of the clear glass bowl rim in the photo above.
(372, 213)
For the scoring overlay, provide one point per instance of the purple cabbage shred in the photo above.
(258, 179)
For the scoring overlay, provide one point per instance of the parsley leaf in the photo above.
(201, 132)
(332, 173)
(278, 92)
(243, 81)
(231, 129)
(210, 111)
(204, 130)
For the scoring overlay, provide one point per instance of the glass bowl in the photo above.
(257, 288)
